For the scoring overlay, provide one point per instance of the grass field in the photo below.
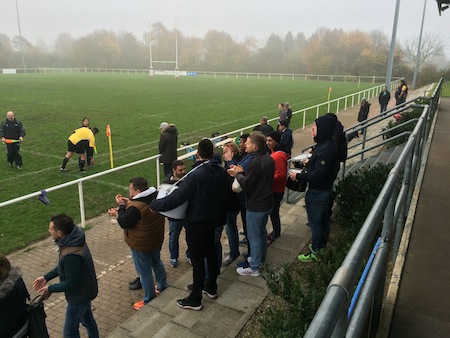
(52, 106)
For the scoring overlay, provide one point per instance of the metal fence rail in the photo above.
(387, 213)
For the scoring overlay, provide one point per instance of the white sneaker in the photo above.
(247, 272)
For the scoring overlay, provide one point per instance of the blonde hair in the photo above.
(233, 146)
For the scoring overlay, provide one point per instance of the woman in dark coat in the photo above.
(13, 299)
(363, 112)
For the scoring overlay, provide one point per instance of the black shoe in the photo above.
(209, 293)
(187, 303)
(243, 242)
(135, 284)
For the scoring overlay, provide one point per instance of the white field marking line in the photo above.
(107, 268)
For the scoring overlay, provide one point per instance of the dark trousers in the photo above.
(275, 214)
(201, 244)
(167, 169)
(13, 150)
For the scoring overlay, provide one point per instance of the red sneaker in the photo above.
(137, 306)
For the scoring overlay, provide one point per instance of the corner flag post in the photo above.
(108, 134)
(329, 93)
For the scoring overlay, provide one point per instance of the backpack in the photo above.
(341, 141)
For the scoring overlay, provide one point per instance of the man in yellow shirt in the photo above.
(80, 142)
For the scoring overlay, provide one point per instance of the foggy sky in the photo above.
(46, 19)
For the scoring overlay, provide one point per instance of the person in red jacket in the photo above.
(280, 156)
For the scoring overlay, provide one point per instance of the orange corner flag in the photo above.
(108, 131)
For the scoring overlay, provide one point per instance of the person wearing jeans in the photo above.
(145, 263)
(256, 181)
(77, 313)
(322, 169)
(76, 272)
(257, 236)
(175, 225)
(144, 234)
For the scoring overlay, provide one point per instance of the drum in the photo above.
(176, 213)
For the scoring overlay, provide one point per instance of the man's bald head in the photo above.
(10, 116)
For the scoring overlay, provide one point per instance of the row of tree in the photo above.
(324, 52)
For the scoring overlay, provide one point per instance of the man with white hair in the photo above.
(12, 133)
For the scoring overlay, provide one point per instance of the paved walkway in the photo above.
(421, 304)
(239, 296)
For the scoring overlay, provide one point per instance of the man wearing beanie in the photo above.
(323, 167)
(280, 156)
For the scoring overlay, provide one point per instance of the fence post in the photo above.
(82, 213)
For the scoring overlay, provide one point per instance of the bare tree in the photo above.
(431, 45)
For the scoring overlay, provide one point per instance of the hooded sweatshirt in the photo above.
(323, 165)
(75, 269)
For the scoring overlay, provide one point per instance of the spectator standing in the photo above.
(383, 99)
(168, 141)
(282, 112)
(363, 113)
(230, 157)
(280, 156)
(401, 93)
(144, 234)
(256, 181)
(82, 141)
(323, 167)
(12, 129)
(175, 225)
(287, 106)
(13, 299)
(76, 272)
(205, 188)
(286, 136)
(263, 126)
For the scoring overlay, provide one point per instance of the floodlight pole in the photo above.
(21, 39)
(416, 69)
(391, 52)
(151, 72)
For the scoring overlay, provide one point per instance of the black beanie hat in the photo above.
(275, 135)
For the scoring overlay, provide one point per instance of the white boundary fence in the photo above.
(208, 74)
(341, 103)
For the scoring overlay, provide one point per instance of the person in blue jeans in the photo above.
(76, 272)
(144, 234)
(322, 169)
(256, 181)
(176, 225)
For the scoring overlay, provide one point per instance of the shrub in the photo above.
(402, 117)
(299, 291)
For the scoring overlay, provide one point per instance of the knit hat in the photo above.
(275, 135)
(163, 125)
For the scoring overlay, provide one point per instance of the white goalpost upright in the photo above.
(151, 72)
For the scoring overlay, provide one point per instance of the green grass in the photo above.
(52, 106)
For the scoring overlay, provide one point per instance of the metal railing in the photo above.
(388, 213)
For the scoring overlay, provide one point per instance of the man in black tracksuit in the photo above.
(205, 188)
(12, 130)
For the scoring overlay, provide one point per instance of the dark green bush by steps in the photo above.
(300, 288)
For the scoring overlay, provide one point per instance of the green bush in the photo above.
(404, 116)
(300, 291)
(356, 194)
